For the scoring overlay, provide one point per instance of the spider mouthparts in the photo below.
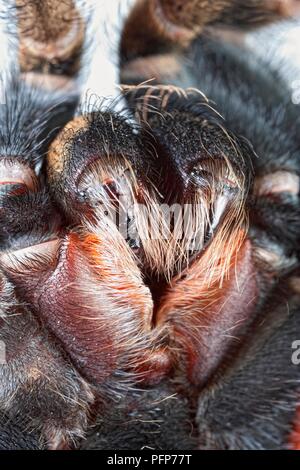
(100, 184)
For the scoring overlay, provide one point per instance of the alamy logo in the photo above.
(296, 353)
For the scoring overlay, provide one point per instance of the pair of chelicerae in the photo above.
(149, 228)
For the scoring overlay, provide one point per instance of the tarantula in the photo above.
(149, 235)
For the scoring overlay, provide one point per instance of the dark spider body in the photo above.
(161, 344)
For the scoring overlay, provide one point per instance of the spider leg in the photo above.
(44, 402)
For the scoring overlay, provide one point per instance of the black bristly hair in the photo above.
(137, 342)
